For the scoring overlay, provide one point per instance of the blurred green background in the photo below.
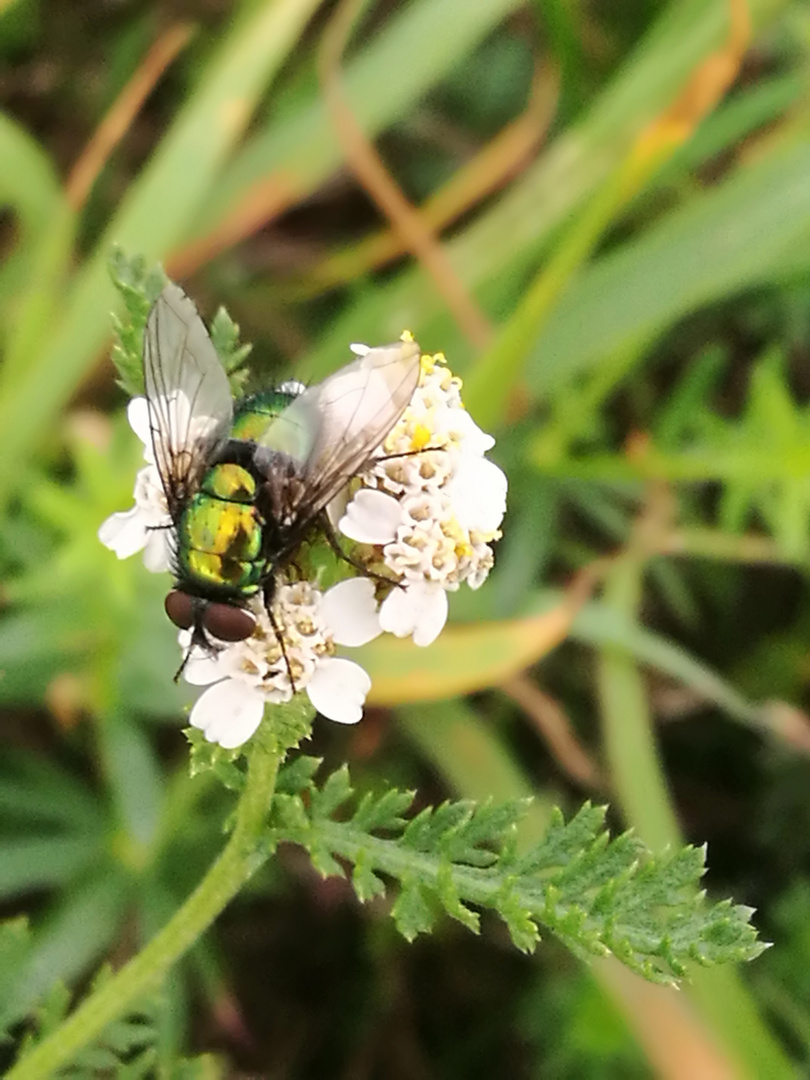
(601, 214)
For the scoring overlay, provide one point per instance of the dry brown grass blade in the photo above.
(707, 85)
(123, 111)
(554, 726)
(674, 1038)
(490, 169)
(266, 200)
(371, 173)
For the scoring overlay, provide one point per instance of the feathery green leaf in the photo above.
(596, 894)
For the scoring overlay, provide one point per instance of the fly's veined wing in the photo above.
(187, 392)
(333, 428)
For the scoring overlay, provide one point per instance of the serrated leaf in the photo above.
(53, 1008)
(447, 892)
(210, 757)
(124, 1049)
(595, 894)
(411, 911)
(490, 823)
(384, 811)
(139, 286)
(522, 928)
(289, 813)
(366, 883)
(285, 726)
(225, 339)
(323, 860)
(295, 776)
(429, 826)
(564, 840)
(335, 792)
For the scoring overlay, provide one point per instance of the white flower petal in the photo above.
(476, 441)
(202, 669)
(138, 416)
(478, 494)
(350, 611)
(124, 532)
(337, 507)
(228, 713)
(157, 551)
(420, 609)
(359, 349)
(372, 517)
(338, 689)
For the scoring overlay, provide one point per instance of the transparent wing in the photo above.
(187, 392)
(334, 428)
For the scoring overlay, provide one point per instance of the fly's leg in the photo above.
(182, 667)
(407, 453)
(269, 592)
(331, 537)
(199, 639)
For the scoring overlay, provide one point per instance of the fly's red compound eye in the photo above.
(180, 609)
(228, 623)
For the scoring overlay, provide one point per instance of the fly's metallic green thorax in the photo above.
(219, 535)
(253, 415)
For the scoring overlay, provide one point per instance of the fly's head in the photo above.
(207, 620)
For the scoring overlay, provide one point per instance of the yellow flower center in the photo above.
(420, 438)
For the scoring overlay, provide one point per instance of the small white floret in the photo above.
(349, 609)
(418, 610)
(372, 517)
(477, 491)
(228, 713)
(338, 689)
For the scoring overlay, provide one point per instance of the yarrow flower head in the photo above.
(422, 512)
(429, 505)
(243, 676)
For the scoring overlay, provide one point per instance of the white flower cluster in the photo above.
(243, 676)
(431, 503)
(429, 506)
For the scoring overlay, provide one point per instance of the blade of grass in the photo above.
(735, 236)
(630, 744)
(641, 788)
(29, 185)
(39, 307)
(29, 188)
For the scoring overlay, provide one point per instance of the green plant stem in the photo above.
(630, 741)
(240, 858)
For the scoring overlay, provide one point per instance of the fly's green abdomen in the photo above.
(220, 533)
